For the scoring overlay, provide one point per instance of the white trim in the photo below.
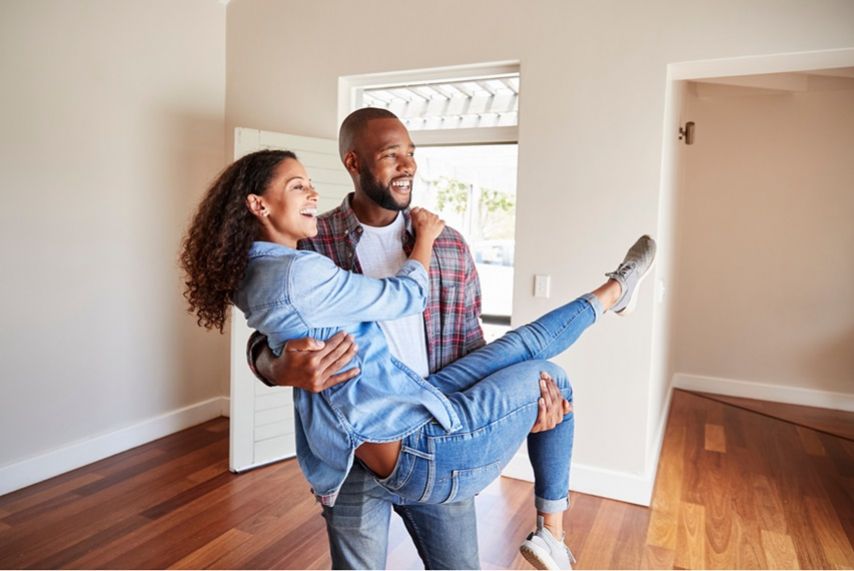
(474, 136)
(751, 65)
(82, 452)
(241, 429)
(766, 392)
(252, 466)
(433, 74)
(621, 486)
(655, 452)
(349, 84)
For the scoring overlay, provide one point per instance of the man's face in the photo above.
(386, 163)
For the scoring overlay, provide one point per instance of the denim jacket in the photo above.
(289, 294)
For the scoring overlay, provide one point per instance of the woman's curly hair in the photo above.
(215, 250)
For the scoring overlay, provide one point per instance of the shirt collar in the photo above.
(262, 248)
(353, 227)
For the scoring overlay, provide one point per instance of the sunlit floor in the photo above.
(735, 489)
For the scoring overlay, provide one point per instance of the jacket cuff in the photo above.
(414, 270)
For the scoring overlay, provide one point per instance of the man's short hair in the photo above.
(355, 123)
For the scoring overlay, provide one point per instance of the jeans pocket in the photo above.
(466, 484)
(402, 470)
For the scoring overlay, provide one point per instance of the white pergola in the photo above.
(462, 104)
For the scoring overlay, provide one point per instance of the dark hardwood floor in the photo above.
(735, 489)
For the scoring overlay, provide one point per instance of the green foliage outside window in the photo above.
(495, 212)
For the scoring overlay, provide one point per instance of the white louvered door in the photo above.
(262, 418)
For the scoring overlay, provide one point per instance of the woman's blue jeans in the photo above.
(495, 391)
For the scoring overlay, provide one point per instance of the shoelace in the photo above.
(625, 269)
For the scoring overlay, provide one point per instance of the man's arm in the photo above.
(473, 332)
(306, 364)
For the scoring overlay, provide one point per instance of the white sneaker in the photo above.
(631, 272)
(543, 551)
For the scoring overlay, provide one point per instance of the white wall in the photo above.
(590, 135)
(765, 267)
(112, 116)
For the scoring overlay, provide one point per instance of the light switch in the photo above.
(542, 285)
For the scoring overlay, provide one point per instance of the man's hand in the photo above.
(552, 406)
(309, 364)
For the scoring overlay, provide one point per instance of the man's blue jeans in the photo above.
(445, 536)
(495, 391)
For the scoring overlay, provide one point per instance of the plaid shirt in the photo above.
(451, 318)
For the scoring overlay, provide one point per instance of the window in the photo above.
(466, 104)
(473, 188)
(464, 123)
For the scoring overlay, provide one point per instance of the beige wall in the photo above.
(112, 116)
(590, 154)
(766, 231)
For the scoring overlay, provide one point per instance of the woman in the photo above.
(433, 440)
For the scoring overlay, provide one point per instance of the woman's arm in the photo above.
(327, 296)
(427, 227)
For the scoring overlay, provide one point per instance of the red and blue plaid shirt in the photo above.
(452, 316)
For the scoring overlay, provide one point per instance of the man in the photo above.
(371, 233)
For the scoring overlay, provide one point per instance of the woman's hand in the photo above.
(427, 225)
(427, 228)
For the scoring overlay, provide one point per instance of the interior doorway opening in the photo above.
(757, 218)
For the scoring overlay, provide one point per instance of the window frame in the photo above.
(351, 88)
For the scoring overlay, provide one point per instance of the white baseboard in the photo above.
(655, 452)
(76, 454)
(622, 486)
(762, 391)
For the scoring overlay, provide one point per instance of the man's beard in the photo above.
(380, 194)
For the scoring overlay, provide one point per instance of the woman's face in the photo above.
(290, 204)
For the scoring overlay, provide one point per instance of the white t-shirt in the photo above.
(381, 255)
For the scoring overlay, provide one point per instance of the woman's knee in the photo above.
(557, 373)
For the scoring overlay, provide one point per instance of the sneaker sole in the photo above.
(634, 299)
(537, 557)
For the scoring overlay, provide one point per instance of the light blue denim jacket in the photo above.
(289, 294)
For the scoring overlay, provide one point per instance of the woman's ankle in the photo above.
(554, 523)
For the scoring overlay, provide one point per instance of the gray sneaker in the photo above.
(543, 551)
(631, 272)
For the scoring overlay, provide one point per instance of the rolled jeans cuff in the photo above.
(551, 506)
(594, 302)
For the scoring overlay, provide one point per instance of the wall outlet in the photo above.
(542, 285)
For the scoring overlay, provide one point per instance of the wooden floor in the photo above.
(735, 489)
(835, 422)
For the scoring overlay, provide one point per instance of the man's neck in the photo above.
(370, 213)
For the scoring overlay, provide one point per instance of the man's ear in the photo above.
(256, 206)
(351, 163)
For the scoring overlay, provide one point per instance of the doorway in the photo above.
(758, 215)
